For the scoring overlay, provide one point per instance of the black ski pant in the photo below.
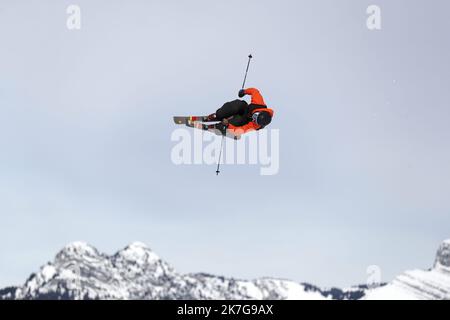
(237, 109)
(232, 108)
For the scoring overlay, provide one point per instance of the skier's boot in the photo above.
(210, 118)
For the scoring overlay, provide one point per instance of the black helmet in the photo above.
(262, 118)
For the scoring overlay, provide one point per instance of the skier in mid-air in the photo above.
(235, 117)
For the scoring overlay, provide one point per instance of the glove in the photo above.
(241, 93)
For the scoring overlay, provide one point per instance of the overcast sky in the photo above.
(85, 126)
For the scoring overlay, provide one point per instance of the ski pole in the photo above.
(223, 135)
(246, 71)
(220, 156)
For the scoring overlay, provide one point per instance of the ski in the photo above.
(211, 128)
(186, 119)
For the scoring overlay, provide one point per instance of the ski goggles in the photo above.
(255, 117)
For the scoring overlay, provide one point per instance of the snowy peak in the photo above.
(79, 247)
(443, 256)
(138, 245)
(79, 271)
(139, 253)
(433, 284)
(78, 250)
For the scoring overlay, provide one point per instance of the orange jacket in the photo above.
(256, 96)
(257, 99)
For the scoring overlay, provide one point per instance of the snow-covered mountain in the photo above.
(79, 271)
(420, 284)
